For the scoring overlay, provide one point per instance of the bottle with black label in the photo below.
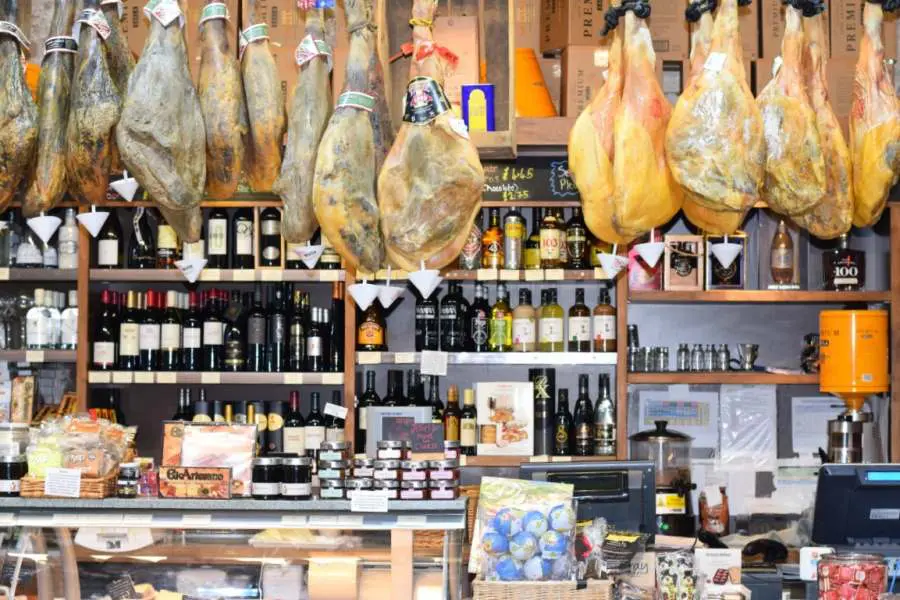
(452, 415)
(276, 333)
(202, 410)
(562, 426)
(234, 333)
(242, 239)
(453, 319)
(192, 335)
(584, 420)
(843, 268)
(394, 396)
(217, 239)
(434, 400)
(256, 334)
(468, 424)
(275, 427)
(544, 384)
(315, 427)
(604, 421)
(270, 237)
(294, 434)
(427, 322)
(296, 351)
(576, 241)
(478, 321)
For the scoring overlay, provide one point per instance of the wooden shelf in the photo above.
(38, 356)
(493, 358)
(553, 203)
(758, 296)
(494, 145)
(207, 275)
(729, 377)
(515, 461)
(530, 275)
(207, 378)
(16, 275)
(550, 131)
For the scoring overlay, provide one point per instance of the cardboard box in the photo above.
(582, 76)
(841, 74)
(551, 69)
(570, 23)
(460, 36)
(748, 22)
(286, 28)
(772, 27)
(669, 30)
(528, 24)
(195, 482)
(847, 29)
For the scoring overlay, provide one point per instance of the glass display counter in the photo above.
(165, 548)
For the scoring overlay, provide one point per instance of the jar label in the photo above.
(296, 489)
(10, 486)
(265, 489)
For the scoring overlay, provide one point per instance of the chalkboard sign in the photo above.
(396, 429)
(427, 437)
(529, 178)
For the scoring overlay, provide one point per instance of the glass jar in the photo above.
(414, 490)
(414, 470)
(334, 451)
(127, 488)
(392, 450)
(364, 467)
(355, 484)
(452, 449)
(334, 469)
(296, 478)
(390, 487)
(851, 575)
(387, 469)
(129, 471)
(14, 437)
(447, 469)
(331, 489)
(12, 469)
(443, 489)
(266, 484)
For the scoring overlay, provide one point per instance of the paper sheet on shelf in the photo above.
(693, 413)
(749, 437)
(740, 486)
(809, 424)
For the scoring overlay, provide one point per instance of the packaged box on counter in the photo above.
(669, 30)
(195, 482)
(505, 418)
(846, 21)
(582, 76)
(460, 36)
(212, 445)
(286, 28)
(570, 22)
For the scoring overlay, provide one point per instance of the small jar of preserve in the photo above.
(390, 488)
(414, 470)
(266, 484)
(127, 488)
(334, 469)
(443, 489)
(129, 471)
(364, 467)
(334, 451)
(355, 484)
(414, 490)
(392, 450)
(447, 469)
(387, 469)
(452, 449)
(12, 469)
(296, 478)
(331, 489)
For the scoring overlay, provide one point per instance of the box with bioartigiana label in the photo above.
(195, 482)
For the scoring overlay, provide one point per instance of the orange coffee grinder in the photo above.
(853, 364)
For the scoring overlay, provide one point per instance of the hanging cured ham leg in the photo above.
(222, 102)
(307, 118)
(344, 182)
(430, 186)
(874, 124)
(121, 60)
(161, 135)
(48, 183)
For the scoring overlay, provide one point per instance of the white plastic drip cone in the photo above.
(191, 268)
(389, 294)
(364, 294)
(725, 252)
(309, 255)
(426, 280)
(613, 264)
(651, 252)
(44, 226)
(126, 187)
(93, 221)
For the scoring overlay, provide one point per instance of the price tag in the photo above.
(330, 275)
(404, 358)
(351, 521)
(211, 275)
(210, 378)
(365, 275)
(599, 273)
(34, 356)
(383, 274)
(294, 520)
(4, 274)
(560, 459)
(332, 379)
(715, 61)
(539, 459)
(412, 521)
(196, 520)
(293, 378)
(7, 519)
(433, 362)
(509, 275)
(487, 275)
(62, 483)
(369, 501)
(272, 275)
(99, 377)
(322, 522)
(243, 275)
(122, 377)
(143, 377)
(462, 460)
(554, 275)
(534, 274)
(137, 519)
(163, 377)
(339, 412)
(368, 358)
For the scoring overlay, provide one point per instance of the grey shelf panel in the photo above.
(493, 358)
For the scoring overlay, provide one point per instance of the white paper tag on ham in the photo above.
(167, 12)
(715, 61)
(120, 6)
(459, 127)
(93, 18)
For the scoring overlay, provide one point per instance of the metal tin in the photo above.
(296, 480)
(386, 484)
(447, 463)
(452, 449)
(266, 484)
(333, 469)
(129, 471)
(331, 489)
(334, 450)
(363, 467)
(359, 483)
(444, 490)
(414, 470)
(414, 490)
(392, 450)
(12, 470)
(386, 464)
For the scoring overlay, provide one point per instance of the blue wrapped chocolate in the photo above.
(495, 543)
(553, 545)
(523, 546)
(535, 523)
(537, 569)
(507, 522)
(509, 569)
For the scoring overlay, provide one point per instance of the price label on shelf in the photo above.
(412, 521)
(332, 378)
(4, 274)
(560, 459)
(272, 275)
(137, 519)
(329, 275)
(196, 520)
(554, 274)
(293, 378)
(294, 520)
(34, 356)
(368, 358)
(322, 522)
(122, 377)
(210, 378)
(211, 275)
(339, 412)
(599, 273)
(433, 362)
(509, 275)
(99, 377)
(534, 274)
(143, 377)
(404, 358)
(163, 377)
(487, 274)
(351, 521)
(243, 275)
(369, 501)
(7, 519)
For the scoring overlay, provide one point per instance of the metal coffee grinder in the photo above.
(853, 364)
(670, 452)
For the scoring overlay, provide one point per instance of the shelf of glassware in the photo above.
(212, 378)
(493, 358)
(214, 275)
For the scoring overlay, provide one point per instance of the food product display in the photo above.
(851, 576)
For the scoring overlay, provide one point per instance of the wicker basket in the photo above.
(542, 590)
(91, 487)
(431, 543)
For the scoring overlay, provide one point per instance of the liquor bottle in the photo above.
(56, 310)
(202, 410)
(782, 256)
(69, 323)
(434, 400)
(452, 415)
(170, 335)
(149, 335)
(334, 421)
(195, 250)
(500, 336)
(217, 239)
(129, 331)
(270, 237)
(844, 269)
(579, 324)
(468, 424)
(315, 428)
(179, 413)
(371, 333)
(563, 246)
(427, 322)
(109, 243)
(412, 389)
(394, 396)
(330, 259)
(218, 411)
(453, 319)
(478, 319)
(295, 428)
(49, 255)
(532, 254)
(336, 329)
(604, 321)
(470, 256)
(256, 334)
(67, 238)
(276, 332)
(514, 233)
(576, 241)
(242, 239)
(29, 254)
(562, 425)
(604, 421)
(543, 383)
(213, 334)
(492, 242)
(256, 414)
(141, 246)
(524, 324)
(192, 335)
(235, 333)
(166, 246)
(9, 234)
(296, 343)
(369, 398)
(37, 322)
(550, 325)
(583, 420)
(551, 240)
(315, 347)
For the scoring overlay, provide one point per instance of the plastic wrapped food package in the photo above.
(851, 576)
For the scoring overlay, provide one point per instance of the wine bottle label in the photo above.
(604, 327)
(195, 250)
(170, 337)
(217, 236)
(243, 238)
(104, 353)
(276, 329)
(149, 335)
(314, 347)
(362, 422)
(213, 333)
(315, 435)
(271, 253)
(451, 429)
(523, 331)
(370, 334)
(270, 227)
(551, 330)
(295, 440)
(296, 489)
(256, 331)
(480, 329)
(108, 253)
(166, 237)
(562, 437)
(191, 337)
(469, 258)
(550, 244)
(782, 258)
(467, 431)
(499, 331)
(128, 339)
(580, 329)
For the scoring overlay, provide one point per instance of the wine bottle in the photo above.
(106, 336)
(109, 243)
(336, 329)
(275, 427)
(149, 335)
(434, 400)
(242, 239)
(562, 425)
(500, 337)
(371, 332)
(604, 421)
(276, 331)
(315, 428)
(129, 332)
(452, 415)
(583, 418)
(270, 237)
(167, 251)
(453, 319)
(256, 334)
(234, 334)
(369, 398)
(191, 335)
(296, 343)
(217, 239)
(468, 424)
(427, 322)
(295, 428)
(478, 319)
(315, 358)
(213, 334)
(579, 324)
(394, 396)
(334, 422)
(170, 335)
(141, 246)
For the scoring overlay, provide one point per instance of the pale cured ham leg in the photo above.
(430, 186)
(874, 125)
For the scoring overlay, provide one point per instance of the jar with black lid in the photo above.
(296, 478)
(267, 475)
(12, 469)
